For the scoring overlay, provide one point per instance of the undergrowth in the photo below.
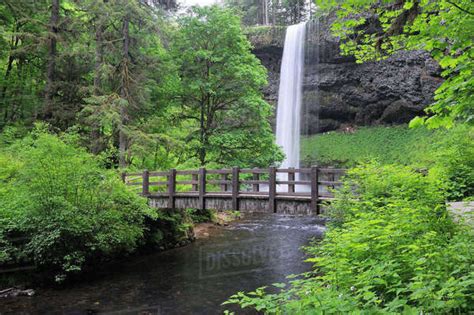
(449, 153)
(391, 247)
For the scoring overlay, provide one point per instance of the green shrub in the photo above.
(200, 216)
(452, 161)
(68, 209)
(391, 248)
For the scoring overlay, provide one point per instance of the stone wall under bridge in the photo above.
(246, 205)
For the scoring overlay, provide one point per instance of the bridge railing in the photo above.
(313, 184)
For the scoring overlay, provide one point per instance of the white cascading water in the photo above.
(290, 96)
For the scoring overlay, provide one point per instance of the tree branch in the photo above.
(460, 8)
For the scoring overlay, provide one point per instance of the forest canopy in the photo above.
(140, 88)
(92, 88)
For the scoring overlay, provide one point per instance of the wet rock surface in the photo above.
(462, 212)
(339, 92)
(15, 292)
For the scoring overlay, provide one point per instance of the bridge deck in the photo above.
(296, 191)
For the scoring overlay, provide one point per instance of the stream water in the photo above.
(255, 251)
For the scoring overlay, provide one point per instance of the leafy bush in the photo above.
(68, 209)
(391, 247)
(452, 160)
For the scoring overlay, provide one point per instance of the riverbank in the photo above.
(178, 230)
(219, 219)
(194, 279)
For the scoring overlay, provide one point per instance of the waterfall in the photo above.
(290, 95)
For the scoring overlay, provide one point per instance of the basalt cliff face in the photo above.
(339, 93)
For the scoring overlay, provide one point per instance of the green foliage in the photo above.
(222, 111)
(446, 154)
(174, 227)
(372, 29)
(397, 144)
(199, 216)
(451, 159)
(22, 37)
(391, 248)
(124, 77)
(68, 209)
(129, 97)
(89, 73)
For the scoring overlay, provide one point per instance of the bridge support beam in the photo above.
(224, 186)
(195, 179)
(291, 178)
(202, 188)
(146, 183)
(272, 190)
(315, 189)
(256, 177)
(235, 188)
(171, 188)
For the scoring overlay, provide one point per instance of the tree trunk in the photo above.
(274, 8)
(11, 58)
(124, 92)
(262, 12)
(96, 145)
(265, 6)
(52, 51)
(3, 94)
(99, 57)
(202, 149)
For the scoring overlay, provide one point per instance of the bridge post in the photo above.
(314, 188)
(194, 177)
(331, 176)
(235, 188)
(202, 188)
(255, 176)
(224, 186)
(171, 188)
(291, 177)
(145, 183)
(272, 190)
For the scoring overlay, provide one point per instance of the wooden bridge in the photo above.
(274, 190)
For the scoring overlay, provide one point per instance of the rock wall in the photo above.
(338, 92)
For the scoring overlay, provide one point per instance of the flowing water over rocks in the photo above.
(290, 96)
(255, 251)
(339, 92)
